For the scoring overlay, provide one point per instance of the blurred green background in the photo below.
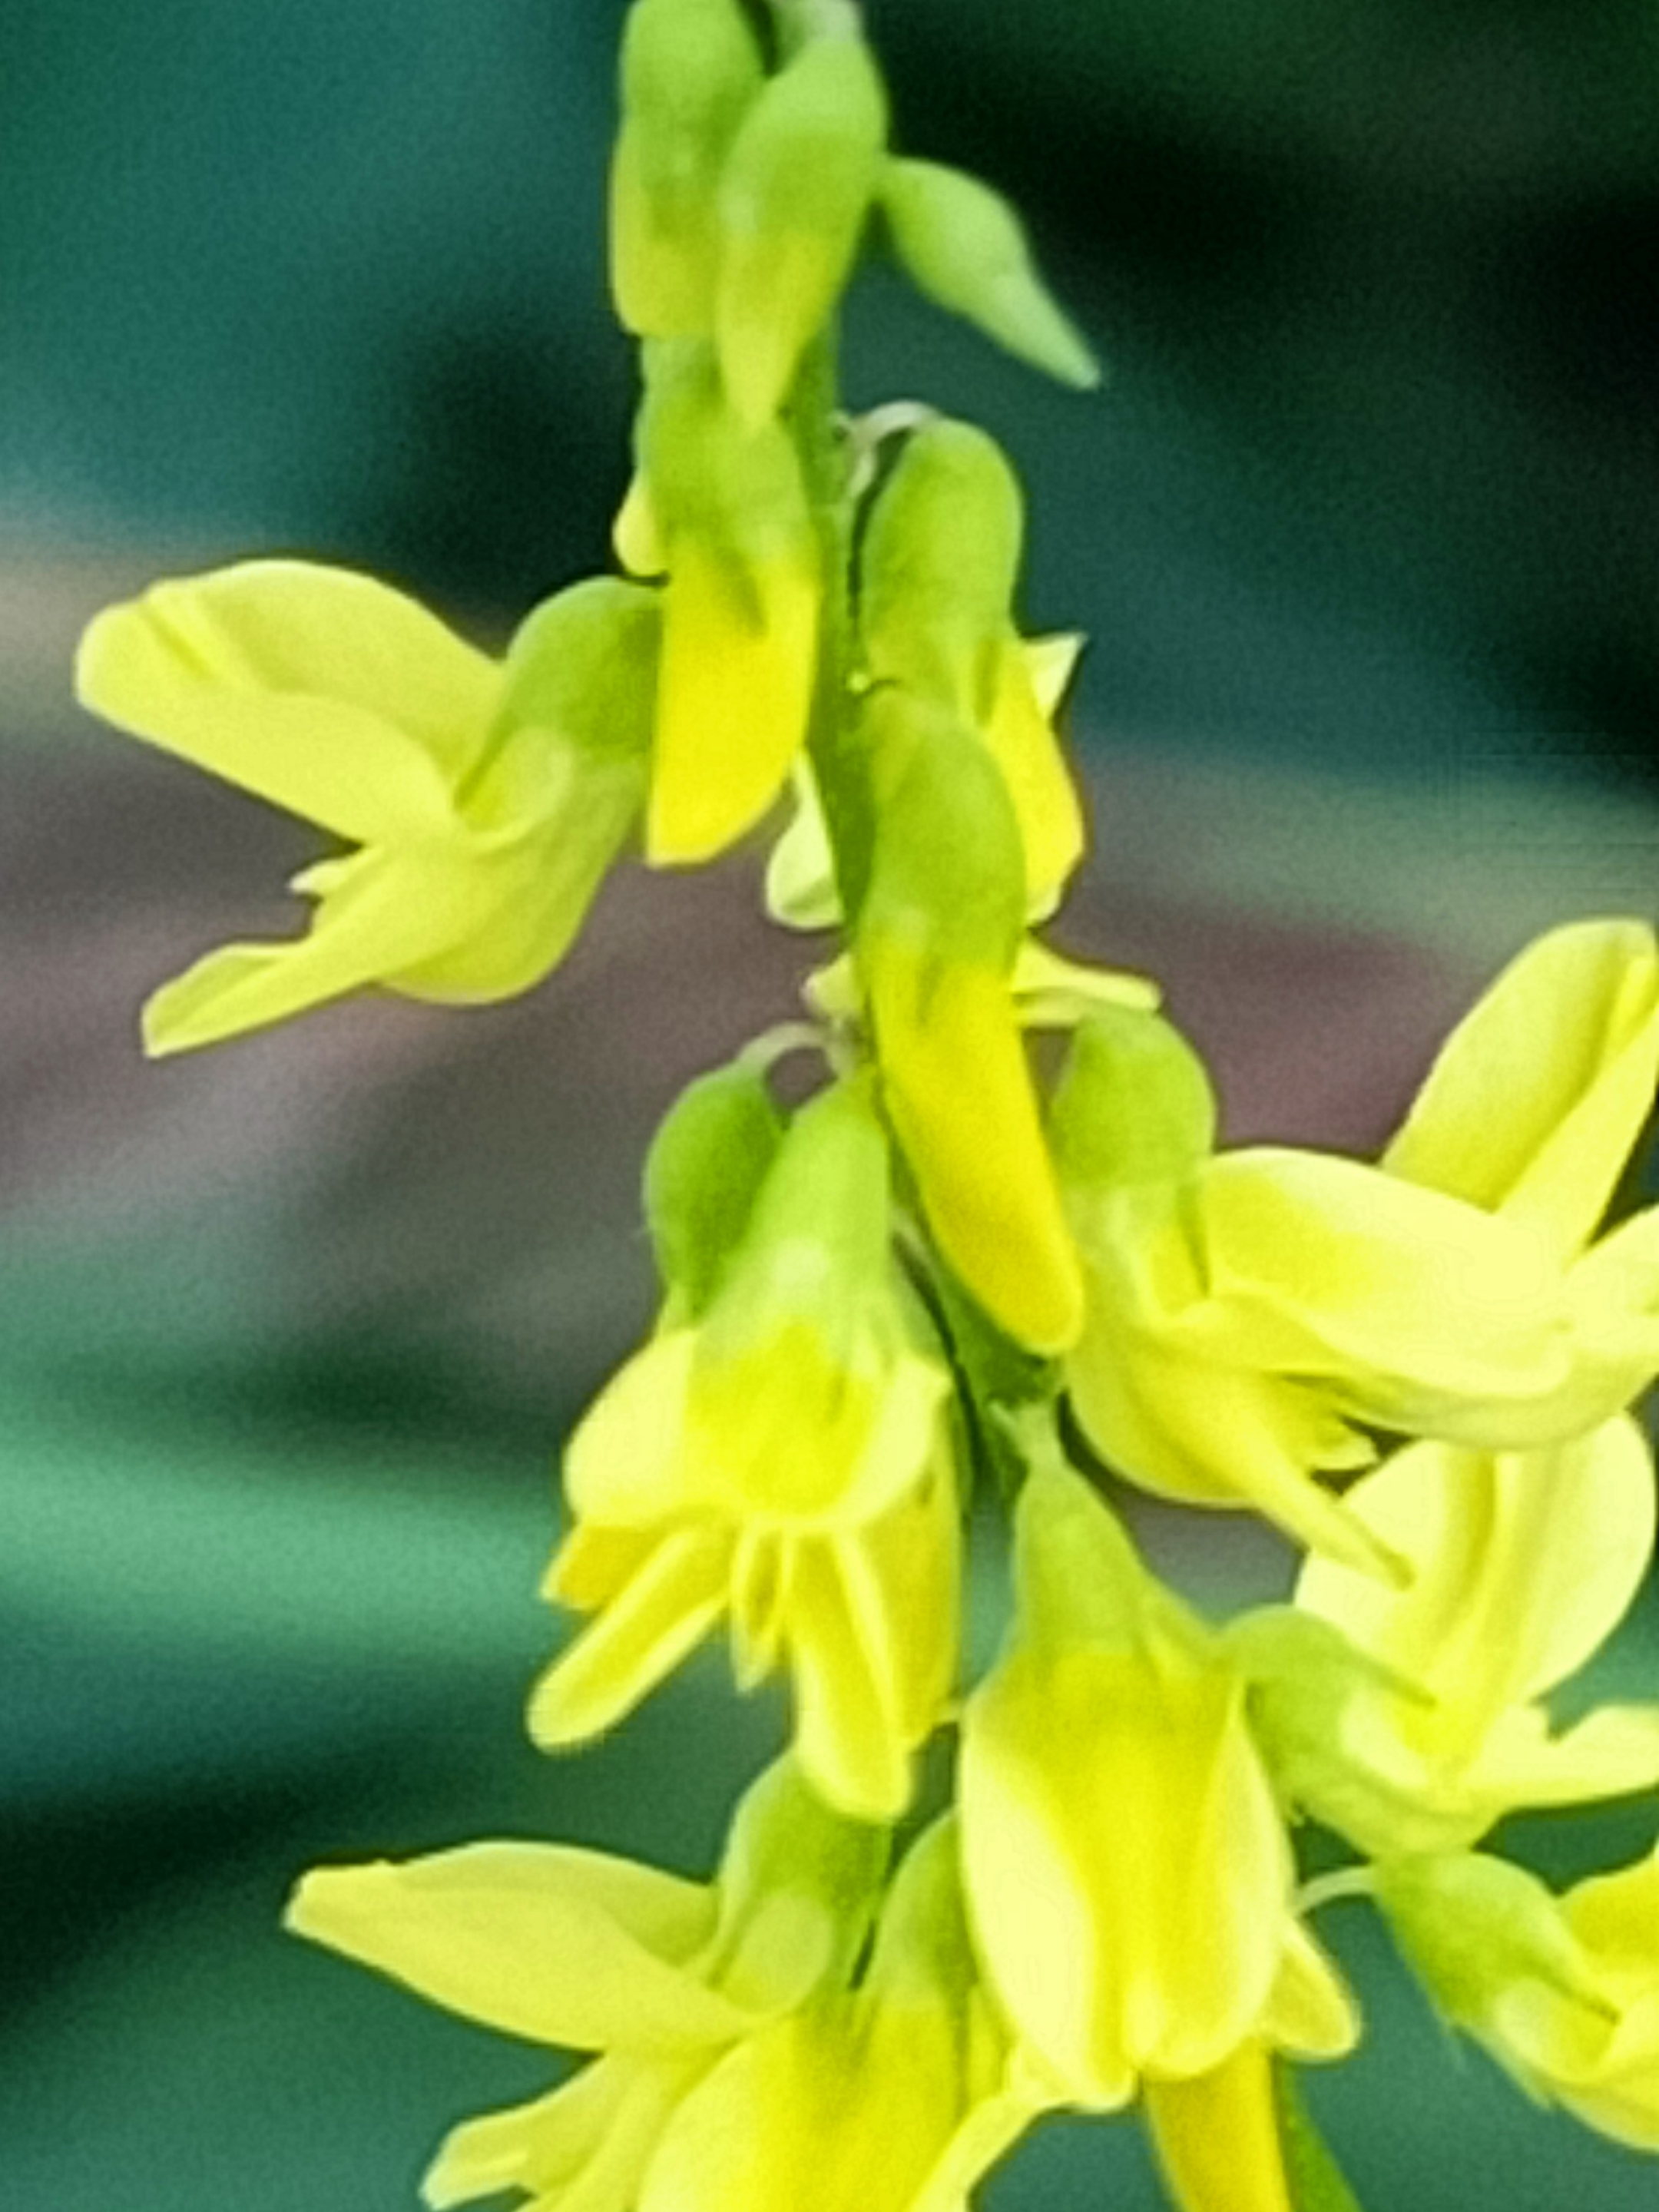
(1364, 532)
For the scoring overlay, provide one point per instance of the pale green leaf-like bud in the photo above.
(936, 578)
(964, 246)
(1134, 1105)
(793, 197)
(690, 70)
(705, 1167)
(585, 664)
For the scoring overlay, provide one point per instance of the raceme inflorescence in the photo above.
(939, 1276)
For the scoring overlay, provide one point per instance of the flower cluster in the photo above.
(940, 1268)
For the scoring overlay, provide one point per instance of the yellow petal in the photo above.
(800, 874)
(1424, 1313)
(849, 1737)
(739, 659)
(542, 1941)
(382, 912)
(325, 692)
(622, 1465)
(1523, 1563)
(1125, 1866)
(1218, 2136)
(1046, 804)
(961, 1096)
(590, 2130)
(659, 1617)
(1540, 1093)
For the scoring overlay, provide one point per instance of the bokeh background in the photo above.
(1364, 529)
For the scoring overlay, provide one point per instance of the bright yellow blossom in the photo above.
(659, 1977)
(1127, 1872)
(1532, 1110)
(1523, 1563)
(1253, 1313)
(488, 800)
(893, 2096)
(783, 1460)
(1562, 1991)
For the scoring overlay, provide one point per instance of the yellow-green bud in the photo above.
(740, 621)
(793, 197)
(940, 557)
(690, 70)
(966, 249)
(585, 664)
(1135, 1104)
(705, 1167)
(937, 930)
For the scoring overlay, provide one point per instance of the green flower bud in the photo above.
(941, 555)
(585, 664)
(741, 610)
(690, 70)
(964, 246)
(705, 1166)
(794, 196)
(1133, 1106)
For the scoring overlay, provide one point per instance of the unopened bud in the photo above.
(965, 247)
(793, 197)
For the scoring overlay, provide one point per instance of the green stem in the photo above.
(814, 420)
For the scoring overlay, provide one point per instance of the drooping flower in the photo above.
(1562, 1991)
(894, 2095)
(1253, 1315)
(1128, 1873)
(487, 798)
(691, 71)
(1415, 1719)
(657, 1977)
(781, 1459)
(1532, 1111)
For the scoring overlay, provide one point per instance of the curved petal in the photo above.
(320, 690)
(380, 912)
(1420, 1308)
(1046, 804)
(529, 1938)
(624, 1467)
(1523, 1565)
(660, 1615)
(847, 1736)
(739, 657)
(1124, 1863)
(1538, 1094)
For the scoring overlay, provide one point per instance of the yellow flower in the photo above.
(893, 2096)
(1523, 1565)
(1532, 1111)
(1128, 1873)
(488, 800)
(1252, 1314)
(657, 1975)
(1562, 1992)
(781, 1460)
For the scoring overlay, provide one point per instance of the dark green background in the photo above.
(286, 1334)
